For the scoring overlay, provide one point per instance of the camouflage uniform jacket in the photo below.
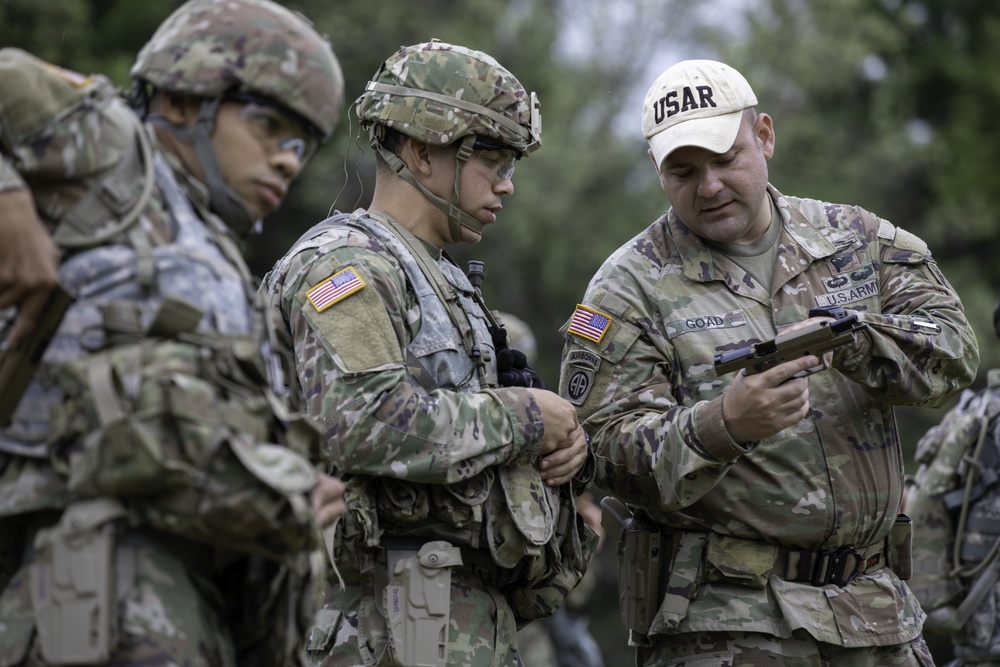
(652, 403)
(60, 134)
(404, 396)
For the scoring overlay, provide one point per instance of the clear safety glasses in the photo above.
(500, 159)
(275, 127)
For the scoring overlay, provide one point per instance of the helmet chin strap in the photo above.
(222, 200)
(457, 218)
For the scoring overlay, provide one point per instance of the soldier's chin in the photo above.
(471, 237)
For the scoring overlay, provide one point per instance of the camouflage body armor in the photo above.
(954, 501)
(513, 531)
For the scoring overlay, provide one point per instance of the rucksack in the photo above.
(954, 501)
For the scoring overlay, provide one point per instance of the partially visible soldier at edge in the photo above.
(775, 496)
(460, 472)
(159, 503)
(954, 501)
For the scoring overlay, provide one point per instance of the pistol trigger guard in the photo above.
(822, 366)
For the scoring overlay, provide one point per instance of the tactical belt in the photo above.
(839, 566)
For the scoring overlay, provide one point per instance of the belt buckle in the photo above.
(839, 559)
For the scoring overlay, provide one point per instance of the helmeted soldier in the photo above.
(954, 501)
(461, 521)
(158, 502)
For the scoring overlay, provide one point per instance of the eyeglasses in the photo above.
(273, 125)
(497, 157)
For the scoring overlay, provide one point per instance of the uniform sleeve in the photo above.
(10, 178)
(648, 447)
(920, 350)
(376, 417)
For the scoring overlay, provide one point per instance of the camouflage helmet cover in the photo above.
(208, 47)
(438, 93)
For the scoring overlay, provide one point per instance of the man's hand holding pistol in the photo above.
(771, 392)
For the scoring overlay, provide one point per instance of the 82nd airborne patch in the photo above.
(583, 366)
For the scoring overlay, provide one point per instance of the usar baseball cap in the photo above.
(695, 103)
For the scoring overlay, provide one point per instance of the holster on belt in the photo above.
(640, 550)
(73, 584)
(417, 602)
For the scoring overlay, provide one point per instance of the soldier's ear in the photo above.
(178, 108)
(417, 156)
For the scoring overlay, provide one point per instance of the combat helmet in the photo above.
(440, 94)
(246, 47)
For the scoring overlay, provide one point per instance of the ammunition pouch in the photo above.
(516, 534)
(184, 433)
(900, 547)
(550, 577)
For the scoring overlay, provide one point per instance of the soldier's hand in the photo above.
(591, 513)
(755, 407)
(28, 262)
(564, 443)
(327, 498)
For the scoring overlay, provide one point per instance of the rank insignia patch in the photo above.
(589, 324)
(336, 288)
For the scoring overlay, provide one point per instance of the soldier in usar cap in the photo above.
(159, 500)
(461, 491)
(768, 502)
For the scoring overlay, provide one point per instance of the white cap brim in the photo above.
(717, 134)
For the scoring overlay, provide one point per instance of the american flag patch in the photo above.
(337, 287)
(589, 324)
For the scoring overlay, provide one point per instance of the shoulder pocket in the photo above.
(583, 356)
(901, 246)
(35, 92)
(350, 320)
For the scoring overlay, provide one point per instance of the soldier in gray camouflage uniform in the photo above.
(774, 498)
(461, 523)
(158, 502)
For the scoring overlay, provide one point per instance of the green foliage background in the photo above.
(889, 104)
